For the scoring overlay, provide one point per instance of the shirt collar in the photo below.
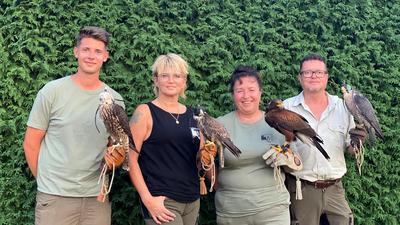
(332, 100)
(299, 99)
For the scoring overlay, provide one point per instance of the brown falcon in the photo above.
(292, 126)
(363, 112)
(116, 123)
(215, 132)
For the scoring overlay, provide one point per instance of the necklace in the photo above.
(175, 118)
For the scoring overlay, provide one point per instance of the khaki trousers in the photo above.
(186, 213)
(315, 202)
(277, 215)
(54, 209)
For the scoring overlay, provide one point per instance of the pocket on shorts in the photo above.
(44, 201)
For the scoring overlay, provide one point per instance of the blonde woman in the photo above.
(167, 137)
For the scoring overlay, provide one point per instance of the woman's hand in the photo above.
(157, 210)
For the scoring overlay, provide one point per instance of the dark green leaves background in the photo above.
(360, 40)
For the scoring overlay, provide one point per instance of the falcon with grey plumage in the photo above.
(292, 126)
(215, 132)
(362, 111)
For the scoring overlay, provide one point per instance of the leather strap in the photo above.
(321, 184)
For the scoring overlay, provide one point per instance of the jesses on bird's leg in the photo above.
(286, 147)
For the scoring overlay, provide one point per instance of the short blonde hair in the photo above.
(170, 60)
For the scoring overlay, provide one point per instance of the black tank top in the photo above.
(168, 157)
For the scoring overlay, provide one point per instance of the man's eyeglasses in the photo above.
(165, 76)
(310, 73)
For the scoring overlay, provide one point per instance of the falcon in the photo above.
(362, 111)
(215, 132)
(116, 123)
(292, 126)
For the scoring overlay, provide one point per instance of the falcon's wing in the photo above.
(367, 111)
(215, 129)
(119, 112)
(122, 117)
(290, 121)
(293, 125)
(273, 118)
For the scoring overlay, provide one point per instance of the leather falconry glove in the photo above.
(357, 136)
(276, 157)
(114, 156)
(205, 163)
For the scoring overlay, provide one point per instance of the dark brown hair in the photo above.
(244, 71)
(97, 33)
(312, 56)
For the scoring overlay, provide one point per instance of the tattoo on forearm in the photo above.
(136, 116)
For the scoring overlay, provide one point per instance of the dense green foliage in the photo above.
(360, 39)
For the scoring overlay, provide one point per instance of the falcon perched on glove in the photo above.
(215, 132)
(363, 112)
(120, 139)
(292, 126)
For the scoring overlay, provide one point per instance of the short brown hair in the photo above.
(97, 33)
(244, 71)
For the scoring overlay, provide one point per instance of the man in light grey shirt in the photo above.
(62, 145)
(322, 189)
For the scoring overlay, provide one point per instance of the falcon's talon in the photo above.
(286, 148)
(277, 148)
(208, 143)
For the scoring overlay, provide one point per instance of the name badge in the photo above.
(195, 132)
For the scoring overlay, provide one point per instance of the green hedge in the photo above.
(360, 39)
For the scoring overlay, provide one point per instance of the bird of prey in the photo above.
(116, 123)
(292, 126)
(119, 141)
(215, 132)
(362, 111)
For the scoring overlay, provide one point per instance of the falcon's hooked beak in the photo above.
(274, 104)
(279, 104)
(345, 88)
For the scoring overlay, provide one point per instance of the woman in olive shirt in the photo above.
(247, 191)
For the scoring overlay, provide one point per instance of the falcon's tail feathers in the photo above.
(320, 148)
(316, 141)
(132, 145)
(227, 143)
(378, 132)
(371, 135)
